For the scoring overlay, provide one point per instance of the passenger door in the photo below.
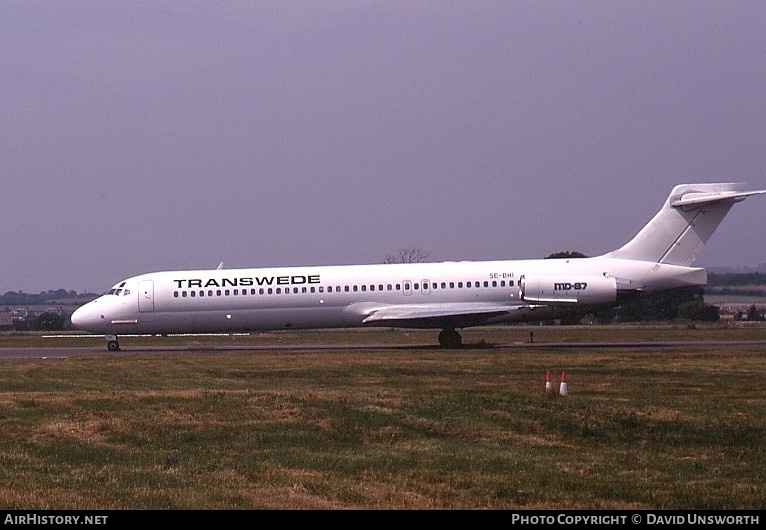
(146, 296)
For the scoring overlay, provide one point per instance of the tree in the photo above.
(408, 255)
(50, 322)
(698, 310)
(667, 305)
(753, 315)
(566, 254)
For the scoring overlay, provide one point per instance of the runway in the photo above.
(32, 353)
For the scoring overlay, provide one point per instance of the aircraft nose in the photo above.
(85, 317)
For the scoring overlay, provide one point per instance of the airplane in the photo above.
(448, 295)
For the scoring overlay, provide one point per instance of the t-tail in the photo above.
(679, 231)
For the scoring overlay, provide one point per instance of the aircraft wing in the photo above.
(429, 315)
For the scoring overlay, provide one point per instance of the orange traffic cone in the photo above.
(563, 388)
(548, 383)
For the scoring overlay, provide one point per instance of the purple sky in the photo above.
(140, 136)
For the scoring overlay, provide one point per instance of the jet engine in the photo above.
(568, 289)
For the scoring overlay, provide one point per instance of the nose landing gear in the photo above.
(111, 343)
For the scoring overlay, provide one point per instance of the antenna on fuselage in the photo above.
(220, 266)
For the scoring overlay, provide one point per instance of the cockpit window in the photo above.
(119, 291)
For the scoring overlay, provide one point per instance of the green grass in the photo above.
(395, 428)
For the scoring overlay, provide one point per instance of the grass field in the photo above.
(389, 428)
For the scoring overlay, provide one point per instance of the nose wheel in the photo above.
(111, 343)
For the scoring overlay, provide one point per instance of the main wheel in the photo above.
(113, 345)
(449, 338)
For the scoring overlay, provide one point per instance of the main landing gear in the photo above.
(449, 338)
(111, 343)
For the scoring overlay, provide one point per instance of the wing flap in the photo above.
(430, 315)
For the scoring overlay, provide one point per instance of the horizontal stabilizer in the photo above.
(695, 200)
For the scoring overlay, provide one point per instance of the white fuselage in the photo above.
(421, 295)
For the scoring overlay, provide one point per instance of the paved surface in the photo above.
(58, 353)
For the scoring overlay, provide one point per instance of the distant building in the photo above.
(738, 310)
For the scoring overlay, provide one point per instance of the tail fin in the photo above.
(690, 215)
